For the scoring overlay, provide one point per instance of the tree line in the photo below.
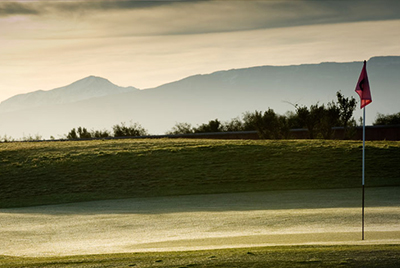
(389, 119)
(318, 119)
(121, 130)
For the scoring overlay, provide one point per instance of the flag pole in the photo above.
(363, 90)
(363, 173)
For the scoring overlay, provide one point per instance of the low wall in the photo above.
(371, 133)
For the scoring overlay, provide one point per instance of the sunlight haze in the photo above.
(48, 44)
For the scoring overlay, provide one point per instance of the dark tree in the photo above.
(181, 128)
(293, 120)
(84, 133)
(100, 134)
(234, 125)
(347, 107)
(72, 135)
(269, 125)
(249, 121)
(310, 118)
(133, 130)
(284, 126)
(211, 126)
(329, 119)
(390, 119)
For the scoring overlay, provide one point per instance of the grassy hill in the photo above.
(67, 171)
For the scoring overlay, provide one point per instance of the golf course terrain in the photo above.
(198, 203)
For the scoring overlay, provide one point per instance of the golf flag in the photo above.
(362, 87)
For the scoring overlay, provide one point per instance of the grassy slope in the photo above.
(58, 172)
(291, 256)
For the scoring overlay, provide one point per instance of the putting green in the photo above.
(202, 222)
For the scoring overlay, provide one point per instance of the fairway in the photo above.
(300, 217)
(179, 203)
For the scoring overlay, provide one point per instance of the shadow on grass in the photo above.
(248, 201)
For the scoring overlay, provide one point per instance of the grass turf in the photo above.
(68, 171)
(290, 256)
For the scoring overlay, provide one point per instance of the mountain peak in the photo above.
(83, 89)
(91, 80)
(93, 77)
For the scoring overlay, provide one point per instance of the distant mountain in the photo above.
(86, 88)
(200, 98)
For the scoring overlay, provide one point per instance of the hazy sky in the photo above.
(48, 44)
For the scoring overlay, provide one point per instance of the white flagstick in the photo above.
(363, 172)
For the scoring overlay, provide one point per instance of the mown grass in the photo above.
(68, 171)
(289, 256)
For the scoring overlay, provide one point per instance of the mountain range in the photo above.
(96, 103)
(83, 89)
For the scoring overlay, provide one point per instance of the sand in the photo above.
(202, 222)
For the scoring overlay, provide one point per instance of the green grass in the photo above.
(69, 171)
(290, 256)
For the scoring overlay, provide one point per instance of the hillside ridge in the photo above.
(199, 98)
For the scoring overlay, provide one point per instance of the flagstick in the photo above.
(362, 89)
(363, 173)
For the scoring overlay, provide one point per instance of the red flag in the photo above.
(362, 87)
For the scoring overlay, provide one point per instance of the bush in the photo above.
(81, 133)
(211, 126)
(100, 133)
(329, 119)
(134, 130)
(29, 137)
(181, 128)
(72, 135)
(234, 125)
(84, 133)
(390, 119)
(6, 138)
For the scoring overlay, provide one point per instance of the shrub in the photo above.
(181, 128)
(211, 126)
(390, 119)
(133, 130)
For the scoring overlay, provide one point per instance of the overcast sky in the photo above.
(49, 44)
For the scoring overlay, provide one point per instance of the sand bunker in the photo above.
(202, 222)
